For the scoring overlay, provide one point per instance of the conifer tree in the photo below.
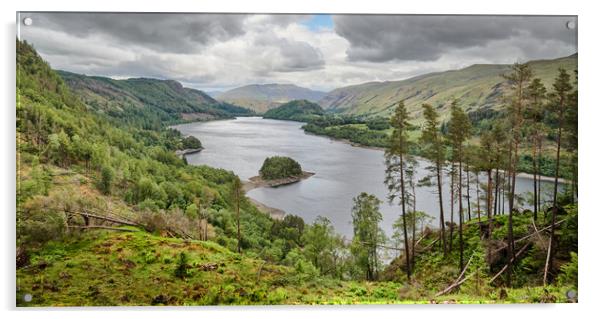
(395, 155)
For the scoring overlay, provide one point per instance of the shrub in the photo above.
(569, 272)
(182, 266)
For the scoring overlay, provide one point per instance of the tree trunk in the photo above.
(403, 216)
(441, 214)
(478, 198)
(460, 214)
(238, 218)
(468, 191)
(550, 258)
(497, 190)
(452, 198)
(534, 181)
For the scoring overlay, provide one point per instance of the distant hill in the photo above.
(297, 110)
(262, 97)
(150, 100)
(478, 87)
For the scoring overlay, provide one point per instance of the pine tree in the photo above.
(459, 132)
(534, 126)
(558, 107)
(518, 79)
(434, 150)
(394, 160)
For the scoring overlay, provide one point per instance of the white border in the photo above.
(589, 154)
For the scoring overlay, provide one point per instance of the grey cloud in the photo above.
(175, 33)
(294, 55)
(381, 38)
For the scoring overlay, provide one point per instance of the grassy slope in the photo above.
(137, 268)
(476, 86)
(166, 98)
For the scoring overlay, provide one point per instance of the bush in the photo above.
(279, 167)
(182, 266)
(569, 272)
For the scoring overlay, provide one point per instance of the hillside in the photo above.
(262, 97)
(297, 110)
(155, 101)
(478, 87)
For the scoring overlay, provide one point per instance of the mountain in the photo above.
(297, 110)
(478, 87)
(262, 97)
(152, 100)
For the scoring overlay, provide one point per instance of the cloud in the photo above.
(381, 38)
(223, 51)
(166, 32)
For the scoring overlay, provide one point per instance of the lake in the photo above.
(342, 171)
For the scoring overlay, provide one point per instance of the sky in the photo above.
(217, 52)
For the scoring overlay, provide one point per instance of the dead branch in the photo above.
(458, 280)
(102, 227)
(522, 250)
(529, 236)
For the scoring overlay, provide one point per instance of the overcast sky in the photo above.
(223, 51)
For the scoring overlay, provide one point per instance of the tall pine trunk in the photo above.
(461, 215)
(441, 214)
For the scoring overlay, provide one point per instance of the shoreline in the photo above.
(257, 182)
(376, 148)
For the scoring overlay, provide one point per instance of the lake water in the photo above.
(342, 171)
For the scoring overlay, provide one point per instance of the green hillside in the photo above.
(107, 214)
(150, 100)
(263, 97)
(297, 110)
(477, 87)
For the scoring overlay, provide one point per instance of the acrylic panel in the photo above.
(295, 159)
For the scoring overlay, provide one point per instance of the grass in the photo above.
(109, 268)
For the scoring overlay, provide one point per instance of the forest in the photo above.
(107, 214)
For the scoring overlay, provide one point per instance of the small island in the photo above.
(277, 171)
(189, 145)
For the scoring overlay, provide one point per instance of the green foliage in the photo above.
(277, 167)
(107, 175)
(181, 270)
(191, 142)
(367, 234)
(569, 272)
(147, 103)
(296, 110)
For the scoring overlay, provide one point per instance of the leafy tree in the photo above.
(323, 247)
(367, 235)
(107, 176)
(237, 194)
(434, 150)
